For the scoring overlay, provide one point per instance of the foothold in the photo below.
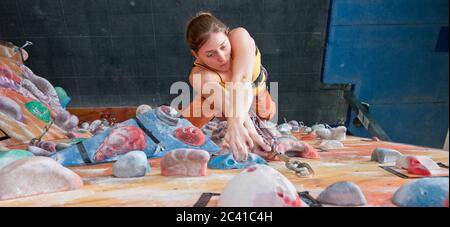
(121, 140)
(330, 144)
(384, 155)
(142, 109)
(184, 162)
(426, 192)
(343, 193)
(7, 157)
(190, 135)
(419, 165)
(259, 186)
(10, 108)
(38, 110)
(36, 175)
(227, 161)
(131, 164)
(332, 133)
(167, 115)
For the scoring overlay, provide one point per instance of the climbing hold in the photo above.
(342, 193)
(131, 164)
(64, 99)
(190, 135)
(259, 186)
(184, 162)
(10, 108)
(142, 109)
(38, 110)
(121, 140)
(426, 192)
(419, 165)
(167, 114)
(227, 161)
(384, 155)
(36, 175)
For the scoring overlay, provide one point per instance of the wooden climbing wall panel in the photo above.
(351, 163)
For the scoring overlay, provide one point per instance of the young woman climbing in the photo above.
(230, 62)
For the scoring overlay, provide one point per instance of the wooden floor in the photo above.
(351, 163)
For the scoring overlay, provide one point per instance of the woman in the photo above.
(228, 61)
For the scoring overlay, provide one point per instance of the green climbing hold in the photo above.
(38, 110)
(7, 157)
(64, 99)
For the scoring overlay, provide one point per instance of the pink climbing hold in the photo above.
(185, 162)
(120, 141)
(419, 165)
(34, 176)
(190, 135)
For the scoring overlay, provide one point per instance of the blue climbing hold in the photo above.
(426, 192)
(226, 161)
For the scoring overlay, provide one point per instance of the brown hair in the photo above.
(200, 27)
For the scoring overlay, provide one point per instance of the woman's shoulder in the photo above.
(239, 31)
(203, 74)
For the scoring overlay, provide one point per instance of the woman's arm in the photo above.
(237, 137)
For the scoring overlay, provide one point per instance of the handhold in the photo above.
(330, 144)
(142, 109)
(294, 125)
(190, 135)
(426, 192)
(7, 157)
(10, 108)
(318, 126)
(36, 175)
(167, 114)
(342, 193)
(259, 186)
(184, 162)
(384, 155)
(38, 110)
(332, 133)
(227, 161)
(62, 146)
(131, 164)
(419, 165)
(121, 140)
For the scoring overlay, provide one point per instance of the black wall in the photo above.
(129, 52)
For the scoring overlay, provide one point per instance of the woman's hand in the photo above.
(238, 139)
(256, 138)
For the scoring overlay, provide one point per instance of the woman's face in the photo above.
(216, 52)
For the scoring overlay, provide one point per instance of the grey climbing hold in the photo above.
(131, 164)
(384, 155)
(343, 193)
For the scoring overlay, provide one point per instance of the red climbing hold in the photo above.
(190, 135)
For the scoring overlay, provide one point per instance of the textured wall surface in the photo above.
(396, 55)
(128, 52)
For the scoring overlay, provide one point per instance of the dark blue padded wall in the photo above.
(129, 52)
(395, 53)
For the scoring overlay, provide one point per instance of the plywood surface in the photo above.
(351, 163)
